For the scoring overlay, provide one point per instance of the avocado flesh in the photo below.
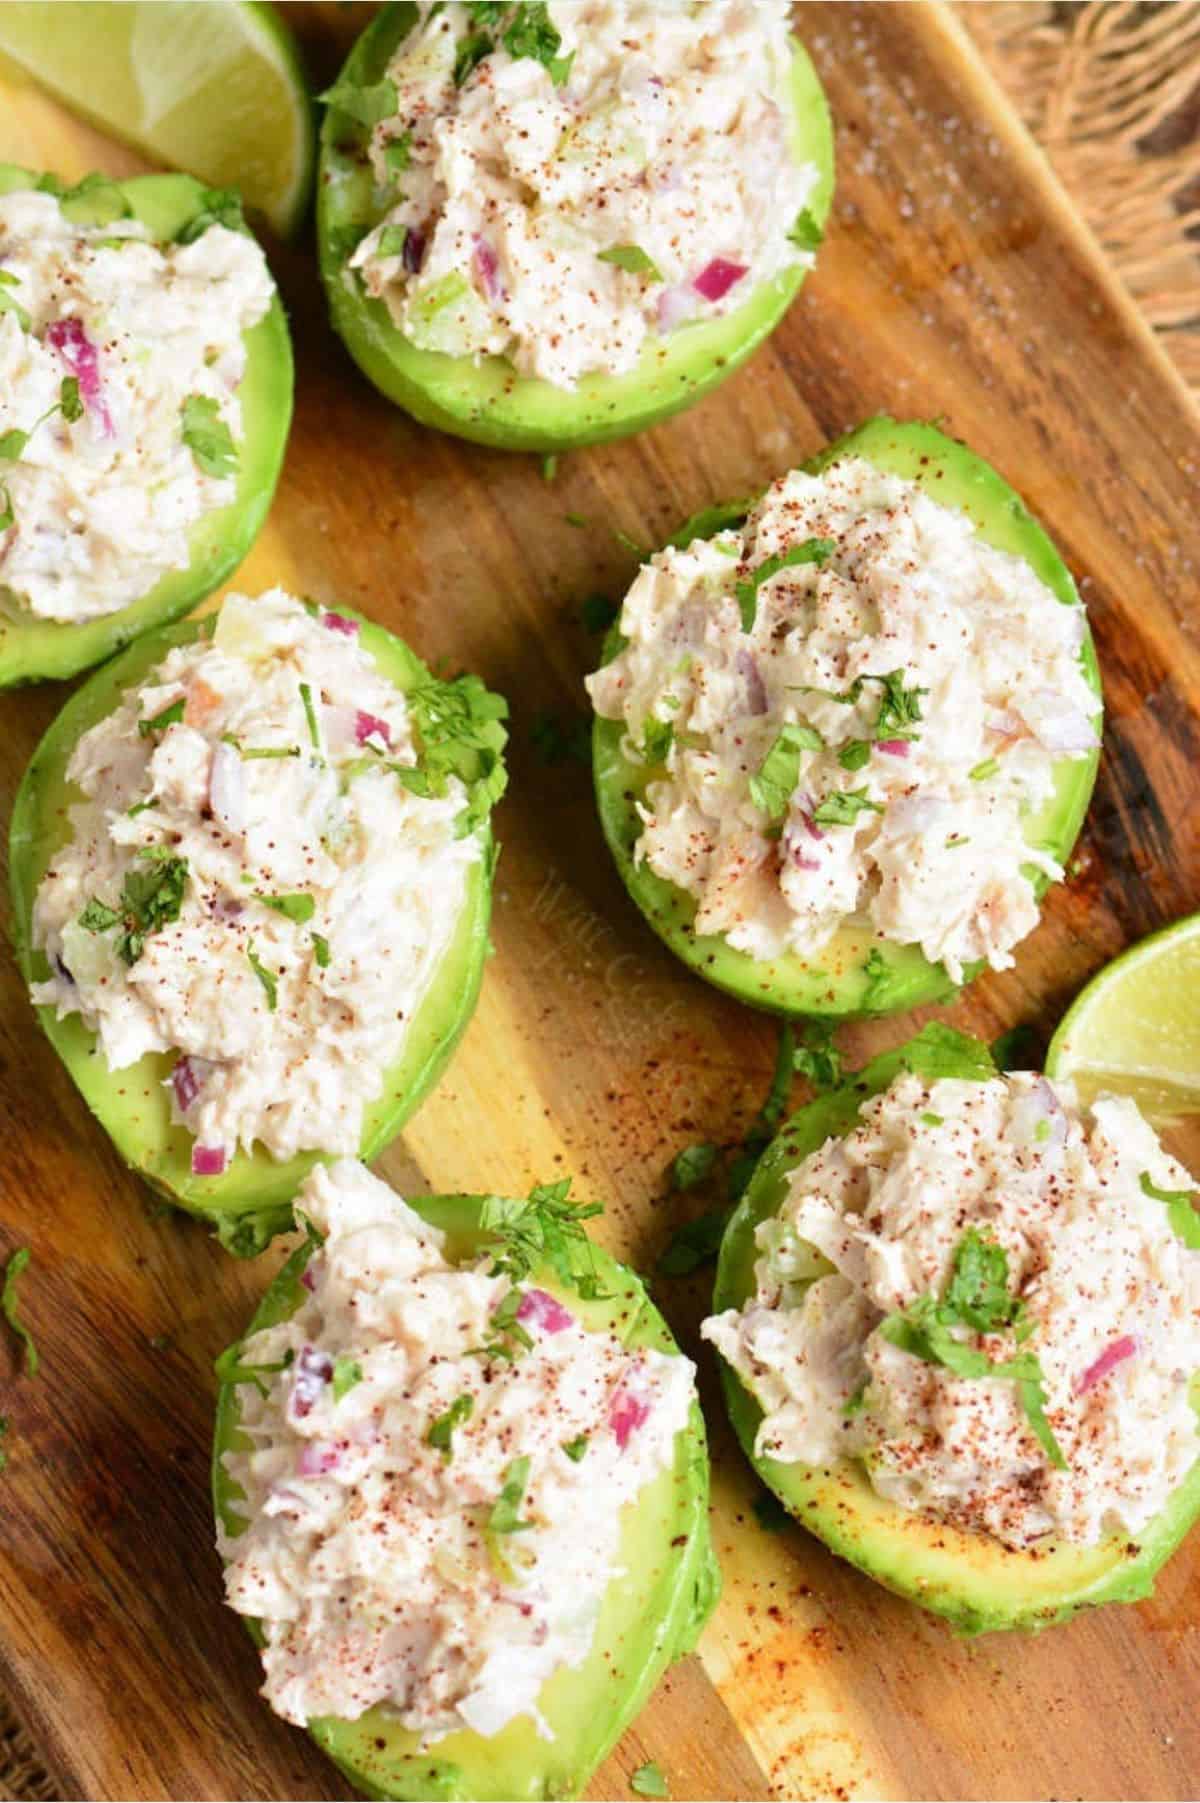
(836, 982)
(652, 1615)
(251, 1200)
(486, 400)
(31, 648)
(975, 1582)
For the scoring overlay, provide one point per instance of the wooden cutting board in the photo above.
(956, 282)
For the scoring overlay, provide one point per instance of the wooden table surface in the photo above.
(955, 283)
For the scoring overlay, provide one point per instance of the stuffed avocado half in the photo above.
(562, 1454)
(990, 1465)
(821, 937)
(279, 1010)
(485, 396)
(166, 497)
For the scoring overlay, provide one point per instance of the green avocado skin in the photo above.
(651, 1616)
(971, 1580)
(33, 649)
(487, 401)
(841, 986)
(251, 1200)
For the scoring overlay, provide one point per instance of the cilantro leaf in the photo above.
(229, 1368)
(218, 206)
(942, 1051)
(805, 232)
(310, 714)
(575, 1449)
(368, 105)
(441, 1431)
(462, 735)
(855, 754)
(12, 444)
(171, 715)
(70, 403)
(980, 772)
(8, 1307)
(97, 916)
(208, 437)
(321, 952)
(547, 1229)
(692, 1165)
(657, 738)
(7, 516)
(842, 808)
(471, 51)
(856, 1402)
(150, 898)
(649, 1781)
(1181, 1210)
(505, 1514)
(813, 550)
(346, 1373)
(977, 1291)
(268, 978)
(816, 1057)
(633, 260)
(397, 153)
(299, 908)
(899, 707)
(694, 1244)
(10, 304)
(532, 33)
(774, 783)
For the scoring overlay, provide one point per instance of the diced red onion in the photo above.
(413, 254)
(673, 306)
(717, 278)
(545, 1311)
(486, 269)
(208, 1161)
(747, 666)
(318, 1457)
(370, 726)
(804, 808)
(339, 623)
(310, 1374)
(895, 748)
(313, 1274)
(1116, 1354)
(800, 861)
(77, 351)
(626, 1414)
(227, 787)
(1057, 724)
(187, 1080)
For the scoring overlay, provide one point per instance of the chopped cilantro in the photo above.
(368, 105)
(598, 612)
(346, 1373)
(218, 206)
(310, 714)
(462, 735)
(229, 1368)
(813, 550)
(773, 784)
(694, 1244)
(207, 436)
(930, 1119)
(942, 1051)
(899, 707)
(816, 1057)
(391, 241)
(471, 51)
(633, 260)
(877, 973)
(171, 715)
(299, 908)
(13, 443)
(692, 1165)
(505, 1515)
(320, 947)
(149, 899)
(9, 303)
(1181, 1210)
(657, 738)
(7, 516)
(575, 1449)
(268, 978)
(806, 233)
(397, 153)
(856, 1402)
(557, 741)
(509, 1333)
(8, 1307)
(977, 1291)
(441, 1431)
(841, 808)
(649, 1781)
(855, 754)
(70, 404)
(531, 32)
(259, 751)
(546, 1228)
(981, 771)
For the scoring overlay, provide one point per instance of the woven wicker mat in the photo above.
(1111, 91)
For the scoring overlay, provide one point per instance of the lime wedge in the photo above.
(214, 87)
(1135, 1029)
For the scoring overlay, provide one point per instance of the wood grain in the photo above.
(955, 282)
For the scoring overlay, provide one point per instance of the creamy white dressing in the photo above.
(1111, 1293)
(666, 141)
(102, 506)
(929, 849)
(286, 1021)
(368, 1558)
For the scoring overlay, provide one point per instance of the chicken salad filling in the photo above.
(120, 424)
(435, 1465)
(565, 182)
(268, 862)
(847, 710)
(991, 1297)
